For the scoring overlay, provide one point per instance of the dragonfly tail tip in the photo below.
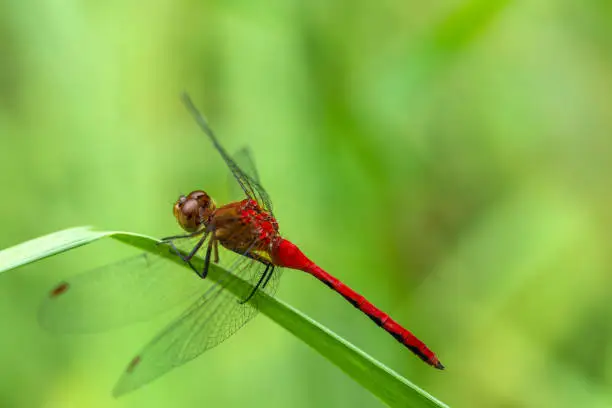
(439, 366)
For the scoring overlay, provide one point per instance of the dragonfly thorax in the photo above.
(243, 226)
(192, 212)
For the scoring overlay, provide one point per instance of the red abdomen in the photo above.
(286, 254)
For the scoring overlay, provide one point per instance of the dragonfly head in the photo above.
(193, 211)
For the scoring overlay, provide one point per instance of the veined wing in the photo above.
(248, 183)
(244, 159)
(210, 320)
(127, 291)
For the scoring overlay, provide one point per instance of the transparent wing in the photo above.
(210, 320)
(248, 183)
(244, 159)
(127, 291)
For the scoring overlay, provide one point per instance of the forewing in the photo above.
(245, 162)
(244, 159)
(127, 291)
(213, 317)
(249, 185)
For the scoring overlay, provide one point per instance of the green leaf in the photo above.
(383, 382)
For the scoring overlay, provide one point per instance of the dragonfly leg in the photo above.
(216, 249)
(268, 277)
(196, 248)
(207, 259)
(264, 277)
(187, 258)
(178, 253)
(182, 236)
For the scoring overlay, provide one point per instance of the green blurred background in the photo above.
(449, 160)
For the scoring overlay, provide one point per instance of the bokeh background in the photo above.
(451, 160)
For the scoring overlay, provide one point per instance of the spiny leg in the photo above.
(188, 257)
(264, 277)
(197, 247)
(216, 249)
(182, 236)
(180, 255)
(268, 278)
(207, 258)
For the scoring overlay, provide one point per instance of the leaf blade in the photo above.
(379, 379)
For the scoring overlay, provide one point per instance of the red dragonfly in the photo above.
(246, 228)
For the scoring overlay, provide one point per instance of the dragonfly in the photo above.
(245, 229)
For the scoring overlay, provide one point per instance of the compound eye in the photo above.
(187, 215)
(193, 211)
(196, 194)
